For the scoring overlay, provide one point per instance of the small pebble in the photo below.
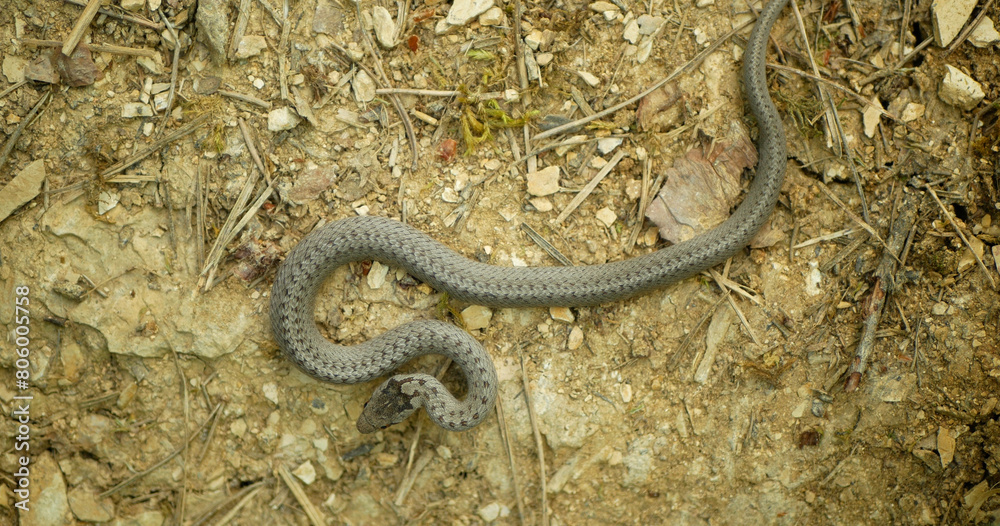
(575, 339)
(493, 511)
(306, 473)
(626, 391)
(386, 460)
(606, 216)
(608, 144)
(449, 195)
(589, 78)
(542, 204)
(562, 314)
(492, 17)
(476, 317)
(603, 7)
(270, 390)
(385, 27)
(282, 119)
(462, 11)
(544, 182)
(631, 33)
(377, 274)
(960, 90)
(131, 110)
(250, 45)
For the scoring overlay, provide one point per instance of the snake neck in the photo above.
(444, 409)
(401, 395)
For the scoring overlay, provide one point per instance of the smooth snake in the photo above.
(299, 277)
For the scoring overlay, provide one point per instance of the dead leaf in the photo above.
(701, 187)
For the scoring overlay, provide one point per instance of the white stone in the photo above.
(960, 90)
(542, 204)
(912, 112)
(562, 314)
(644, 50)
(544, 59)
(442, 26)
(306, 473)
(575, 339)
(270, 390)
(131, 110)
(606, 216)
(385, 27)
(492, 17)
(492, 511)
(626, 391)
(608, 144)
(376, 275)
(985, 34)
(364, 87)
(476, 317)
(704, 3)
(871, 117)
(250, 45)
(533, 40)
(543, 182)
(649, 24)
(106, 201)
(948, 17)
(282, 119)
(462, 11)
(631, 33)
(589, 78)
(133, 6)
(160, 101)
(449, 195)
(603, 7)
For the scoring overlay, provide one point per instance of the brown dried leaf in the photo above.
(701, 187)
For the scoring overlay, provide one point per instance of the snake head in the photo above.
(390, 404)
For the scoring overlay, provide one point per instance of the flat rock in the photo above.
(385, 27)
(23, 188)
(213, 27)
(85, 505)
(476, 317)
(462, 11)
(282, 119)
(328, 19)
(48, 504)
(141, 312)
(960, 90)
(606, 216)
(985, 34)
(250, 46)
(132, 6)
(492, 17)
(948, 17)
(543, 182)
(364, 87)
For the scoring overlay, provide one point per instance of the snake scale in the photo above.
(299, 277)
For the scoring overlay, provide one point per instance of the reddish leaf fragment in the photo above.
(448, 149)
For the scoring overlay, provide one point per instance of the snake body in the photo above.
(373, 238)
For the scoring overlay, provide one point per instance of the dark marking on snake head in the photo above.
(388, 405)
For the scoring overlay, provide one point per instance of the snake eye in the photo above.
(385, 426)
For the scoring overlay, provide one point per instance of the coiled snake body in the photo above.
(372, 238)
